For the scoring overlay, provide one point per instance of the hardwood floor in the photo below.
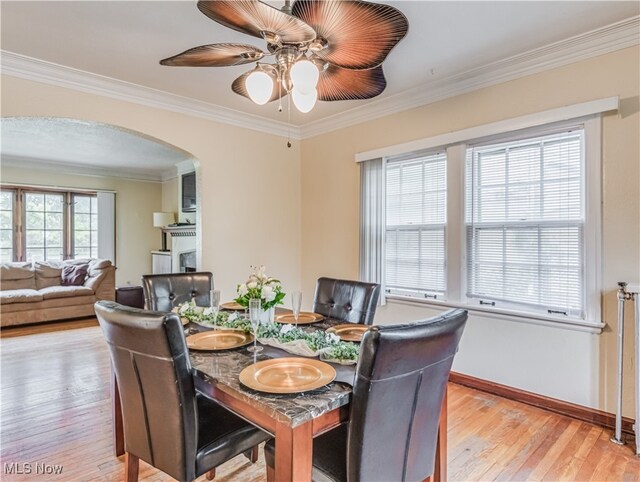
(55, 410)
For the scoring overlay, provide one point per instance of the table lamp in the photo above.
(161, 220)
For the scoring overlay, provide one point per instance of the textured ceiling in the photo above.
(67, 142)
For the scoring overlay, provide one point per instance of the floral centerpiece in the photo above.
(309, 343)
(262, 287)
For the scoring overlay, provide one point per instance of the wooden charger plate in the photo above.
(304, 318)
(231, 305)
(287, 375)
(218, 340)
(349, 331)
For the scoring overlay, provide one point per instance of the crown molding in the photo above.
(22, 162)
(601, 41)
(607, 39)
(37, 70)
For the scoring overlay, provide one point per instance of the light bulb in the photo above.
(304, 102)
(259, 86)
(304, 75)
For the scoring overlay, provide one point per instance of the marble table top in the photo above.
(222, 369)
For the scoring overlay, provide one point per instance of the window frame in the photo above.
(19, 217)
(409, 292)
(455, 226)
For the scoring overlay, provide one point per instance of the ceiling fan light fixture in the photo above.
(259, 86)
(305, 76)
(304, 102)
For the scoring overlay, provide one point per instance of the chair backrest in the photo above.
(345, 300)
(162, 292)
(398, 392)
(151, 362)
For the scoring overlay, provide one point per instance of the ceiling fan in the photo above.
(325, 50)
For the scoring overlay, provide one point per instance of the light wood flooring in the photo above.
(55, 409)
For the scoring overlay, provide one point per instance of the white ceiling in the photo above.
(448, 44)
(64, 144)
(125, 40)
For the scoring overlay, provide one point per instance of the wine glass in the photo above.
(214, 303)
(296, 303)
(254, 318)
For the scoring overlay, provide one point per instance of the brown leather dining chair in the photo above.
(400, 383)
(168, 423)
(345, 300)
(162, 292)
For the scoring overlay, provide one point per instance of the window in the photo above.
(47, 225)
(525, 223)
(507, 223)
(415, 225)
(6, 226)
(85, 226)
(44, 226)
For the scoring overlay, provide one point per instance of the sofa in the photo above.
(33, 292)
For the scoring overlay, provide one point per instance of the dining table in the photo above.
(292, 419)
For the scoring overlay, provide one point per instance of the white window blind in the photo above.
(415, 226)
(525, 223)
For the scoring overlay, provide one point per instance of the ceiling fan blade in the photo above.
(238, 85)
(359, 34)
(215, 55)
(345, 84)
(255, 18)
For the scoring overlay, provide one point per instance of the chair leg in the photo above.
(211, 474)
(131, 465)
(254, 455)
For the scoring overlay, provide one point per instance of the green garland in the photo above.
(330, 344)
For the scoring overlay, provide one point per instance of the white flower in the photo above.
(252, 277)
(233, 316)
(252, 284)
(268, 294)
(242, 289)
(333, 338)
(286, 328)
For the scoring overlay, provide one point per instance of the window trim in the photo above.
(19, 216)
(455, 239)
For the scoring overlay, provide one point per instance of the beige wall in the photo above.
(569, 365)
(135, 203)
(250, 188)
(170, 196)
(296, 210)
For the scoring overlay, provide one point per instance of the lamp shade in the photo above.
(304, 75)
(304, 102)
(163, 219)
(259, 87)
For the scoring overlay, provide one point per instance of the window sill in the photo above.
(567, 323)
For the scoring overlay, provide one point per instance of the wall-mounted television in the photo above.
(189, 192)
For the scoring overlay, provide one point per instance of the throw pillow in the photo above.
(74, 275)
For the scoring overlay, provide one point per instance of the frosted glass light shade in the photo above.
(304, 102)
(305, 76)
(259, 87)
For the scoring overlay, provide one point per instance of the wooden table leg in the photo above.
(116, 412)
(294, 453)
(440, 472)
